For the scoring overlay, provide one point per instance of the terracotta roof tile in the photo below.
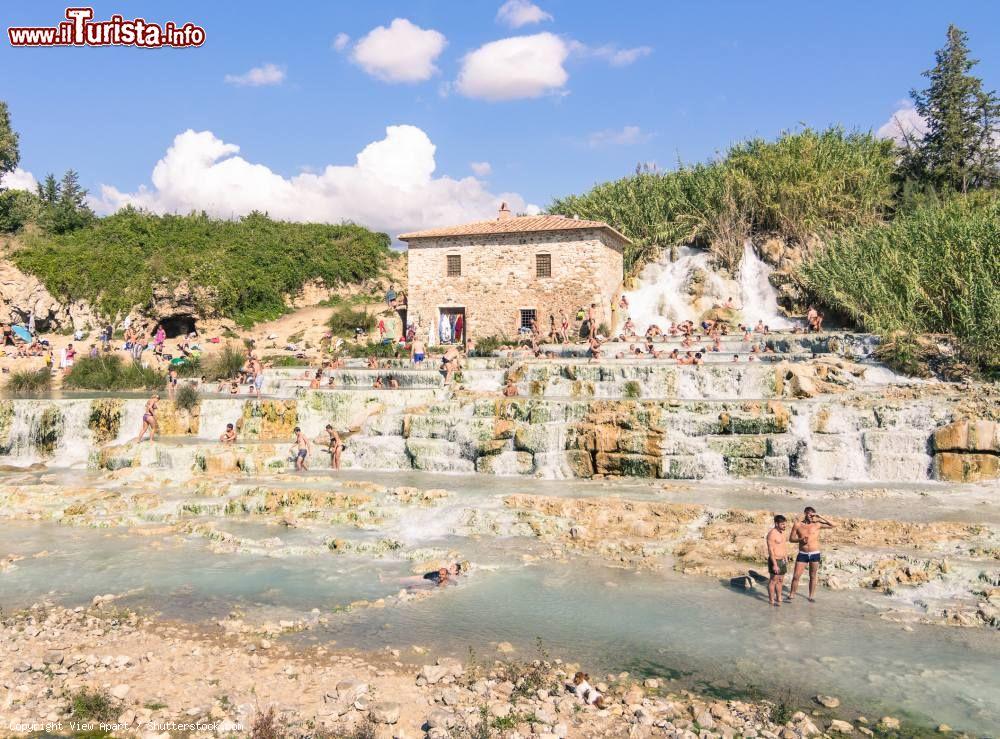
(519, 224)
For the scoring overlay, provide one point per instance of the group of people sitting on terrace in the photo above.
(27, 342)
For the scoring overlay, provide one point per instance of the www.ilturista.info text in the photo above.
(81, 30)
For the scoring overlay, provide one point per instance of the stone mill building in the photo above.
(491, 278)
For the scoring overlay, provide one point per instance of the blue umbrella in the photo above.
(22, 333)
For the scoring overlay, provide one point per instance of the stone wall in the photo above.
(499, 279)
(967, 450)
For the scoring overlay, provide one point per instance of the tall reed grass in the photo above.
(805, 182)
(933, 270)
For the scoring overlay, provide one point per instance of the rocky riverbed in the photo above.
(106, 668)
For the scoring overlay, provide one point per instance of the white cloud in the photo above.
(611, 54)
(516, 67)
(340, 41)
(267, 74)
(626, 136)
(481, 169)
(904, 123)
(403, 52)
(391, 186)
(517, 13)
(19, 179)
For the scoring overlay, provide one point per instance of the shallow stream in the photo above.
(694, 630)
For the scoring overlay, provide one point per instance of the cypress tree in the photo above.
(959, 150)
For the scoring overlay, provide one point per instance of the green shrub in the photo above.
(224, 365)
(186, 396)
(243, 268)
(29, 382)
(191, 367)
(284, 360)
(17, 208)
(488, 346)
(934, 270)
(110, 372)
(93, 705)
(903, 353)
(345, 320)
(632, 389)
(382, 350)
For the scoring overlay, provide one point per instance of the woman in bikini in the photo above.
(149, 417)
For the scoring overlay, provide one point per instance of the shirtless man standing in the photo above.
(417, 352)
(777, 560)
(301, 449)
(806, 534)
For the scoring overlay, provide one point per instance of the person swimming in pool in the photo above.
(437, 578)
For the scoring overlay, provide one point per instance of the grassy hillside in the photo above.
(246, 266)
(933, 270)
(804, 182)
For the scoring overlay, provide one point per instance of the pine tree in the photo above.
(960, 149)
(69, 211)
(48, 190)
(10, 156)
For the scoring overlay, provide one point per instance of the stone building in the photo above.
(491, 278)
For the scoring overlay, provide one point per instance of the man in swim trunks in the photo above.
(229, 435)
(806, 534)
(301, 447)
(777, 560)
(257, 370)
(417, 352)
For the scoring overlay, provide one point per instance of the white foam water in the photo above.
(664, 294)
(759, 298)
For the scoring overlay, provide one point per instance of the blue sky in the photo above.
(704, 75)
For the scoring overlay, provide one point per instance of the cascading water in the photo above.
(681, 290)
(552, 463)
(216, 413)
(664, 295)
(836, 454)
(131, 420)
(759, 299)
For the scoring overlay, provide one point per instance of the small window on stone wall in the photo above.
(454, 265)
(543, 265)
(527, 316)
